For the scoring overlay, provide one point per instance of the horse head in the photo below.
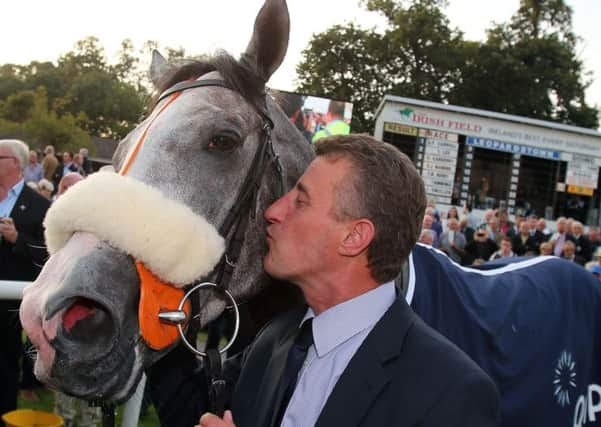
(193, 181)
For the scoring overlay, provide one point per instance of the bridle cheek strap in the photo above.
(157, 296)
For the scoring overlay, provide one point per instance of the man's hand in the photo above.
(8, 230)
(212, 420)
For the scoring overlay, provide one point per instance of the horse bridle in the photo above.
(234, 226)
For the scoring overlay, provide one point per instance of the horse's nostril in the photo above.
(86, 318)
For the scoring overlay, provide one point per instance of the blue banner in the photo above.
(509, 147)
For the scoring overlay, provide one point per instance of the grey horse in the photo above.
(81, 313)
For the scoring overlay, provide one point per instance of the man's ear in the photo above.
(360, 234)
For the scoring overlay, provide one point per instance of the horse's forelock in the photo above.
(241, 76)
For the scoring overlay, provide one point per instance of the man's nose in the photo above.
(275, 213)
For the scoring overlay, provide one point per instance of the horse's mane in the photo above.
(240, 76)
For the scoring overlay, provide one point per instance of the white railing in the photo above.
(131, 412)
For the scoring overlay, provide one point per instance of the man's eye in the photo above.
(223, 143)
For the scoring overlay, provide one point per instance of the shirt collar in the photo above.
(17, 188)
(343, 321)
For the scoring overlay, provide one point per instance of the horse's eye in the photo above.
(223, 143)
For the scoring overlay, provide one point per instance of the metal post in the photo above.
(12, 289)
(131, 411)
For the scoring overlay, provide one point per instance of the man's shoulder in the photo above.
(34, 198)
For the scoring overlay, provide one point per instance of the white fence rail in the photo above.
(131, 412)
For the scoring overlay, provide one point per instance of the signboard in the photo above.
(583, 191)
(582, 172)
(400, 129)
(439, 164)
(509, 147)
(493, 126)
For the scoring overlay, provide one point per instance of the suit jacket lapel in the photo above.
(21, 205)
(366, 374)
(271, 391)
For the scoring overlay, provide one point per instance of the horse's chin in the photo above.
(112, 378)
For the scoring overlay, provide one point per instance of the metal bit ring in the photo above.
(192, 348)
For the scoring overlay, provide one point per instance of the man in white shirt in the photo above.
(341, 235)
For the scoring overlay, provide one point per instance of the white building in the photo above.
(490, 159)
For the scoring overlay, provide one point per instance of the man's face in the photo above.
(9, 164)
(541, 224)
(561, 226)
(66, 158)
(303, 234)
(569, 250)
(505, 246)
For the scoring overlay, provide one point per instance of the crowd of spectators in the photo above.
(29, 183)
(469, 241)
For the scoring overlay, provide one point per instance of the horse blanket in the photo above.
(533, 324)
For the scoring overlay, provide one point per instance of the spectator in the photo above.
(46, 188)
(436, 225)
(594, 236)
(86, 163)
(335, 124)
(427, 224)
(49, 163)
(426, 237)
(569, 253)
(524, 243)
(583, 245)
(480, 249)
(488, 215)
(452, 241)
(22, 252)
(595, 261)
(505, 249)
(546, 248)
(537, 235)
(33, 171)
(67, 181)
(451, 213)
(560, 236)
(67, 167)
(465, 228)
(506, 227)
(541, 225)
(493, 231)
(78, 162)
(472, 221)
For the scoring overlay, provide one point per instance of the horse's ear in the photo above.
(159, 68)
(269, 41)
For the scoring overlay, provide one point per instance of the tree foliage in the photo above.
(527, 66)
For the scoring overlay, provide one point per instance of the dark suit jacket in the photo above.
(520, 248)
(18, 261)
(404, 374)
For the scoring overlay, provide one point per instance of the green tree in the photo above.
(418, 56)
(26, 115)
(529, 67)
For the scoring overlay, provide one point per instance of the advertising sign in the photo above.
(582, 172)
(439, 164)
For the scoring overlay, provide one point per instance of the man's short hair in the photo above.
(336, 108)
(384, 187)
(19, 149)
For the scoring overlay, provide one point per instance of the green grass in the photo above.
(46, 403)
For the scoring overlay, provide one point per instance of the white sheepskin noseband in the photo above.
(173, 242)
